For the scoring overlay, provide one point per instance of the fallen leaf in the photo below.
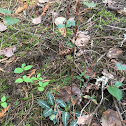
(4, 111)
(114, 53)
(2, 27)
(107, 74)
(37, 20)
(82, 39)
(32, 72)
(8, 51)
(26, 91)
(65, 93)
(1, 69)
(62, 31)
(82, 120)
(45, 9)
(20, 9)
(110, 118)
(43, 1)
(60, 20)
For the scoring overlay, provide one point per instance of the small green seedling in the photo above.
(92, 98)
(8, 19)
(115, 91)
(41, 84)
(20, 70)
(80, 77)
(3, 102)
(23, 67)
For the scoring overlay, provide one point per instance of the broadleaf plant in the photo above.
(115, 91)
(50, 110)
(3, 102)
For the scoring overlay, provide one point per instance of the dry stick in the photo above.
(97, 106)
(116, 27)
(27, 112)
(120, 116)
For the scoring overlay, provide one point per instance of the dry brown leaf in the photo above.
(32, 72)
(45, 9)
(26, 92)
(82, 39)
(62, 31)
(82, 120)
(37, 20)
(114, 53)
(3, 27)
(1, 69)
(65, 93)
(110, 118)
(107, 74)
(4, 111)
(20, 9)
(8, 51)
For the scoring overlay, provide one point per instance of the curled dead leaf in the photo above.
(4, 111)
(110, 118)
(82, 120)
(82, 39)
(37, 20)
(65, 93)
(20, 9)
(107, 74)
(114, 53)
(2, 27)
(8, 51)
(62, 31)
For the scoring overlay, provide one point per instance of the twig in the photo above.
(27, 112)
(97, 106)
(120, 116)
(116, 27)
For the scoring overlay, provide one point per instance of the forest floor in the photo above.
(83, 77)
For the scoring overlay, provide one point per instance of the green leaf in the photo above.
(120, 66)
(116, 92)
(47, 112)
(61, 103)
(18, 70)
(118, 84)
(90, 5)
(34, 78)
(65, 118)
(45, 84)
(43, 104)
(52, 117)
(40, 88)
(77, 113)
(24, 77)
(5, 11)
(40, 83)
(50, 99)
(23, 65)
(70, 23)
(19, 80)
(3, 99)
(86, 76)
(28, 67)
(38, 76)
(73, 123)
(4, 104)
(61, 25)
(78, 77)
(28, 80)
(82, 74)
(10, 20)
